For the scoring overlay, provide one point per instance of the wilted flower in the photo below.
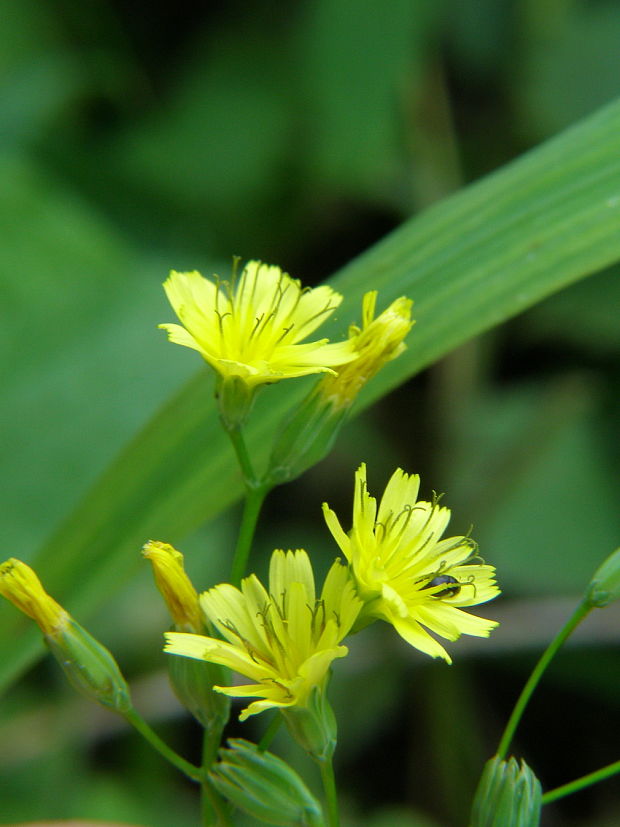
(310, 430)
(377, 341)
(405, 573)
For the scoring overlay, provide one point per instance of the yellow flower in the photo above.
(405, 573)
(283, 639)
(175, 586)
(378, 341)
(253, 329)
(20, 585)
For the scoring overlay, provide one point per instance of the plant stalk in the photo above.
(582, 610)
(331, 797)
(141, 726)
(582, 783)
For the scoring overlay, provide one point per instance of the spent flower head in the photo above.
(253, 327)
(376, 342)
(284, 639)
(310, 430)
(405, 573)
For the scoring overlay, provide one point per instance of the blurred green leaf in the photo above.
(569, 63)
(360, 73)
(582, 316)
(469, 262)
(534, 473)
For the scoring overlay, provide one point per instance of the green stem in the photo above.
(243, 457)
(255, 492)
(215, 811)
(580, 783)
(578, 615)
(270, 732)
(141, 726)
(331, 797)
(251, 509)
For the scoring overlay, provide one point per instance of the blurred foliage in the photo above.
(134, 140)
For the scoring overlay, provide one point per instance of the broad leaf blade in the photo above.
(470, 262)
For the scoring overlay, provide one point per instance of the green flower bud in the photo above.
(89, 667)
(508, 795)
(310, 431)
(193, 681)
(313, 725)
(306, 436)
(264, 786)
(604, 587)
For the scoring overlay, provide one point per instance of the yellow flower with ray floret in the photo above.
(253, 327)
(283, 639)
(405, 573)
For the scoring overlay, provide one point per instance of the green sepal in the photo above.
(192, 681)
(313, 726)
(235, 399)
(264, 786)
(306, 436)
(508, 795)
(89, 666)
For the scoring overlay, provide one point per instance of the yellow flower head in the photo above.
(20, 585)
(253, 328)
(377, 341)
(405, 573)
(175, 586)
(283, 639)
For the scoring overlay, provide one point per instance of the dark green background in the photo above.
(134, 140)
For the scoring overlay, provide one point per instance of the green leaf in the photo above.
(470, 262)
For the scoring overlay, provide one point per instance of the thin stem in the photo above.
(251, 509)
(243, 457)
(581, 783)
(255, 492)
(578, 615)
(331, 797)
(270, 732)
(141, 726)
(215, 811)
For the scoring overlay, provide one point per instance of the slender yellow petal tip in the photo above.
(405, 573)
(20, 585)
(175, 586)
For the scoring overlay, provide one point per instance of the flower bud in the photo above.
(604, 587)
(508, 795)
(175, 586)
(192, 680)
(313, 725)
(306, 436)
(89, 666)
(264, 786)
